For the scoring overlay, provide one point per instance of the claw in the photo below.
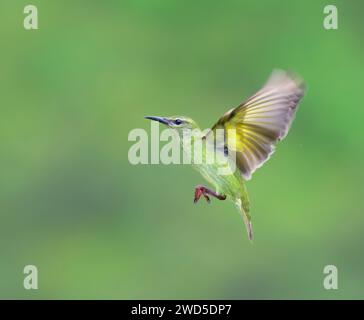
(201, 190)
(198, 194)
(207, 198)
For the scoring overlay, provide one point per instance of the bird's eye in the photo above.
(177, 121)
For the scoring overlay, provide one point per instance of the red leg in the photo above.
(201, 190)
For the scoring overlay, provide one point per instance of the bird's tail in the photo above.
(243, 207)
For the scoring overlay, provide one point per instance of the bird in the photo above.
(258, 124)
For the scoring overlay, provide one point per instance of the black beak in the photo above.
(159, 119)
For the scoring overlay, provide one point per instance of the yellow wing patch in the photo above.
(261, 121)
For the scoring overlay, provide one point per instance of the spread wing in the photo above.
(261, 121)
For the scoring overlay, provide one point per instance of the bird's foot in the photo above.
(203, 191)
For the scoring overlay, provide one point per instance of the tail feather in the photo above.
(246, 218)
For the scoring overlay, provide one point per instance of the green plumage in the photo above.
(250, 133)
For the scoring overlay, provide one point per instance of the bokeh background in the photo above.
(98, 227)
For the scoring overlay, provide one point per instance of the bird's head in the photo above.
(179, 123)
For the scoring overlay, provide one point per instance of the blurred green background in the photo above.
(99, 227)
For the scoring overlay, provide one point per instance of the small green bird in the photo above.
(257, 125)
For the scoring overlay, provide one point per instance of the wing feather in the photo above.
(261, 121)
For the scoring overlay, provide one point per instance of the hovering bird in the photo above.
(259, 123)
